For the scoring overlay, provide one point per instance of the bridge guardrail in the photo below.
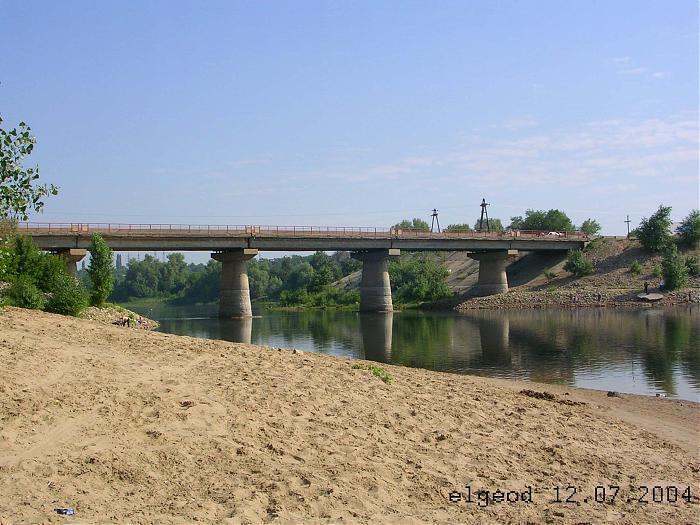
(49, 228)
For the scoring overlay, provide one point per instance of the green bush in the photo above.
(692, 265)
(52, 271)
(635, 268)
(418, 279)
(25, 294)
(67, 296)
(675, 271)
(590, 226)
(577, 264)
(654, 233)
(689, 230)
(549, 274)
(657, 271)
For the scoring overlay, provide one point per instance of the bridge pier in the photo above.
(492, 272)
(234, 293)
(71, 257)
(375, 287)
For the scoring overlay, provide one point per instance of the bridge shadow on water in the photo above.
(646, 352)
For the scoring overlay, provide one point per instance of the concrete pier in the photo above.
(234, 294)
(375, 287)
(492, 272)
(71, 257)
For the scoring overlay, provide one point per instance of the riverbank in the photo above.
(612, 283)
(128, 425)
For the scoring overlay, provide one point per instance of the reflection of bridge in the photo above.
(235, 245)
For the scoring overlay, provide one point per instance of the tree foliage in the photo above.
(577, 264)
(415, 224)
(552, 220)
(654, 233)
(100, 270)
(692, 265)
(590, 226)
(689, 230)
(19, 191)
(495, 225)
(674, 269)
(418, 279)
(40, 280)
(458, 228)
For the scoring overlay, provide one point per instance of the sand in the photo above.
(142, 427)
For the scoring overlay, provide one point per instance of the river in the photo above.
(651, 351)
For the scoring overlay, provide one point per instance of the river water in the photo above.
(651, 351)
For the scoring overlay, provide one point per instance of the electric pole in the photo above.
(484, 213)
(434, 215)
(628, 226)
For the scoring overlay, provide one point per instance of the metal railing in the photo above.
(239, 230)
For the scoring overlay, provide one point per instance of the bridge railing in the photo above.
(49, 228)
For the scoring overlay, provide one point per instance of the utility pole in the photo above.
(434, 215)
(484, 213)
(628, 226)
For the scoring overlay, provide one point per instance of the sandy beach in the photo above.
(142, 427)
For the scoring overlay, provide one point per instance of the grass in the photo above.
(376, 371)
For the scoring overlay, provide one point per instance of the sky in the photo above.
(355, 113)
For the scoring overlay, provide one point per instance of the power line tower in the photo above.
(484, 213)
(628, 225)
(435, 220)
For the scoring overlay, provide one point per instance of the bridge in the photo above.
(234, 245)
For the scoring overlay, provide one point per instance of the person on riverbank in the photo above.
(646, 286)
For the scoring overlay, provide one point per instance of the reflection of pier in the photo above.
(494, 338)
(237, 330)
(377, 330)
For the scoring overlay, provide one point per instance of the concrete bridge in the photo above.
(235, 245)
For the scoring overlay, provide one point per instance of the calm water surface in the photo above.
(642, 352)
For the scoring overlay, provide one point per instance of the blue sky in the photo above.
(355, 113)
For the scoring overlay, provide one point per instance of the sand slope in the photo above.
(130, 426)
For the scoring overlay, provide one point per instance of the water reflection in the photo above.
(646, 351)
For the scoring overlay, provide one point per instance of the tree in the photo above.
(689, 230)
(174, 274)
(577, 264)
(552, 220)
(418, 279)
(590, 226)
(458, 228)
(416, 224)
(674, 269)
(100, 270)
(19, 192)
(654, 233)
(495, 225)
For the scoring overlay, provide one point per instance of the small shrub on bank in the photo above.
(693, 266)
(675, 271)
(549, 274)
(657, 271)
(24, 294)
(635, 268)
(577, 264)
(67, 297)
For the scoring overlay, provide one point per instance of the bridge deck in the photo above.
(167, 237)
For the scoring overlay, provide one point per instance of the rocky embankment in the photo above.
(612, 284)
(116, 315)
(571, 298)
